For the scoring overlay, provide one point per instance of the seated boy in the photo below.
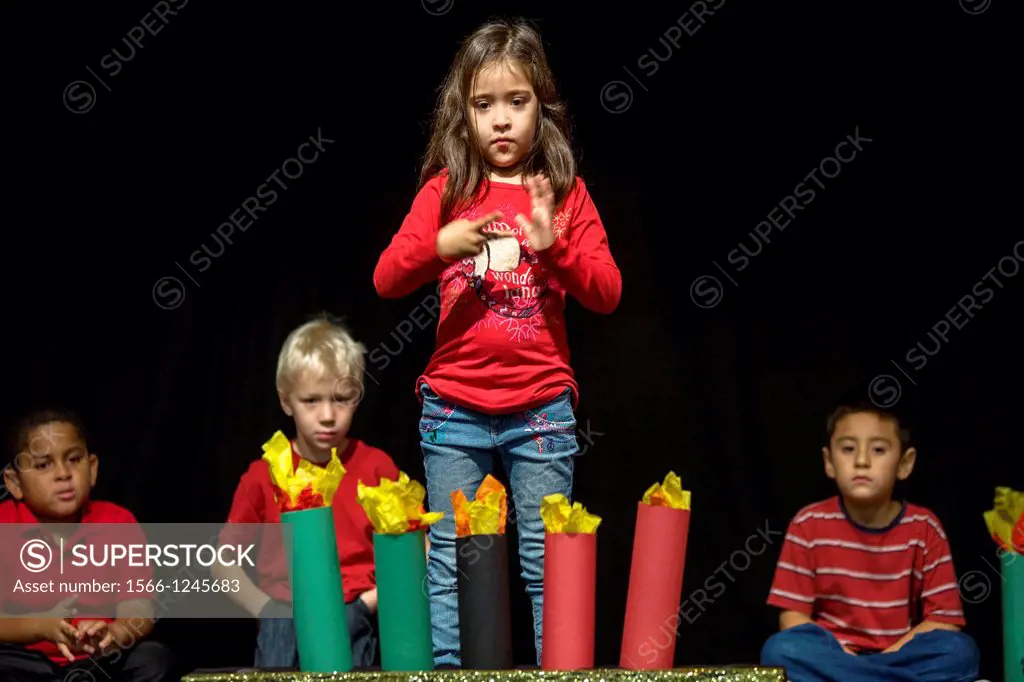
(50, 636)
(319, 384)
(865, 583)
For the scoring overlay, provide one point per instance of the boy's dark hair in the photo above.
(18, 440)
(452, 147)
(849, 407)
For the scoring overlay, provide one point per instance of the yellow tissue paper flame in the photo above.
(485, 515)
(669, 493)
(305, 487)
(1005, 522)
(395, 507)
(1009, 504)
(560, 517)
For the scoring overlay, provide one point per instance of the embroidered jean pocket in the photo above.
(553, 425)
(436, 411)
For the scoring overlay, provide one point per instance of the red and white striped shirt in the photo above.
(867, 586)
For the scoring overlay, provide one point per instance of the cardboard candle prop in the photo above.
(1005, 524)
(481, 558)
(304, 496)
(570, 576)
(656, 577)
(395, 508)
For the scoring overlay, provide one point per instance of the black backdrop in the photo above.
(111, 186)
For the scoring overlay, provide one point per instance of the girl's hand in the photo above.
(461, 238)
(538, 229)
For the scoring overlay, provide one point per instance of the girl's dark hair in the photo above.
(452, 146)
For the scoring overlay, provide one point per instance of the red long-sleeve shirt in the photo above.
(501, 340)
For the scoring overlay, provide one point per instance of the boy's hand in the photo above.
(899, 644)
(369, 598)
(538, 228)
(97, 635)
(65, 608)
(461, 238)
(60, 632)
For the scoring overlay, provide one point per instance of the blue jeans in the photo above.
(536, 448)
(276, 646)
(810, 653)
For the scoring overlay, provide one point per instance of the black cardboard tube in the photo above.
(485, 619)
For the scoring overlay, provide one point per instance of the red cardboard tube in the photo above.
(655, 588)
(570, 577)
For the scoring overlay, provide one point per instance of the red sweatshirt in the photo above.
(501, 339)
(254, 502)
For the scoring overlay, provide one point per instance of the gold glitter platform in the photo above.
(732, 674)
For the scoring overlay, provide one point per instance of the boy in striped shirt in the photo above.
(865, 583)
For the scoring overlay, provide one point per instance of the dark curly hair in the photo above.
(18, 439)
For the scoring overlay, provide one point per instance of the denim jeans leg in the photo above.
(936, 656)
(457, 454)
(538, 451)
(275, 644)
(809, 653)
(362, 633)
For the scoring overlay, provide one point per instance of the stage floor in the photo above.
(696, 674)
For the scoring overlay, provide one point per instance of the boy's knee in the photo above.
(782, 649)
(795, 645)
(959, 651)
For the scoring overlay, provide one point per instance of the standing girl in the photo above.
(499, 382)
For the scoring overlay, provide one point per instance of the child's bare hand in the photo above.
(461, 238)
(62, 633)
(95, 635)
(538, 227)
(65, 608)
(369, 598)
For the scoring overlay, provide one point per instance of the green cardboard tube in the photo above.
(318, 600)
(1013, 616)
(403, 608)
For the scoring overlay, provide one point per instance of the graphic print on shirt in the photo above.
(506, 277)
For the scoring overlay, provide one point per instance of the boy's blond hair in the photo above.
(323, 347)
